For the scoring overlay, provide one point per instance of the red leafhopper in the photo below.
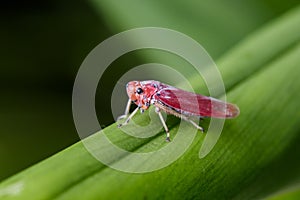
(176, 102)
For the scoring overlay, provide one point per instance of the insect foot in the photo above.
(168, 139)
(121, 117)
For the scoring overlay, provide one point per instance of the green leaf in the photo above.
(215, 24)
(261, 75)
(292, 193)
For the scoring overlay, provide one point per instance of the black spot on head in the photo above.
(139, 91)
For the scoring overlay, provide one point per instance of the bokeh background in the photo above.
(44, 42)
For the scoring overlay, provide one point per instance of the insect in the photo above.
(176, 102)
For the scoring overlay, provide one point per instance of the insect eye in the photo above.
(139, 91)
(154, 85)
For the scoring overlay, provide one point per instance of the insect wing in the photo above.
(189, 103)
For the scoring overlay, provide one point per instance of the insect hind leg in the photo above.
(196, 125)
(188, 119)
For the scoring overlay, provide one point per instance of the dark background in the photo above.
(42, 46)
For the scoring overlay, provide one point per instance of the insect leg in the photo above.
(130, 116)
(127, 107)
(164, 124)
(126, 110)
(196, 125)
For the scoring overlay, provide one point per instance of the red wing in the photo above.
(188, 103)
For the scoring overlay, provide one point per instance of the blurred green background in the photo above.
(44, 42)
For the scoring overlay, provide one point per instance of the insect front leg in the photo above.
(129, 118)
(126, 110)
(157, 110)
(126, 114)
